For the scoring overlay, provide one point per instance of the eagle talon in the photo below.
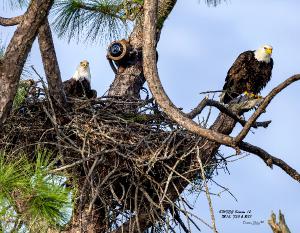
(249, 94)
(252, 96)
(258, 97)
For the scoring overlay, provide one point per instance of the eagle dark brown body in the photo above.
(79, 88)
(246, 74)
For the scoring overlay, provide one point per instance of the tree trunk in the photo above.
(17, 52)
(88, 222)
(51, 66)
(129, 81)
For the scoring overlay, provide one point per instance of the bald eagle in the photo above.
(249, 74)
(80, 83)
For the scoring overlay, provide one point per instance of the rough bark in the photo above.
(51, 66)
(281, 226)
(129, 81)
(87, 221)
(17, 52)
(10, 21)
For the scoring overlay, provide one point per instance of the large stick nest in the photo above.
(121, 152)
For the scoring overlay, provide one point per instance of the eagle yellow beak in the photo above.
(269, 51)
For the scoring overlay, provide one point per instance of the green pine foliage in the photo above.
(12, 176)
(30, 196)
(50, 200)
(2, 50)
(94, 20)
(99, 20)
(21, 94)
(14, 4)
(213, 2)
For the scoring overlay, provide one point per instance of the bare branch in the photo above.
(263, 106)
(151, 75)
(198, 109)
(130, 225)
(10, 21)
(208, 102)
(207, 192)
(179, 220)
(269, 159)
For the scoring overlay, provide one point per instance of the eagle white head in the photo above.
(82, 71)
(264, 53)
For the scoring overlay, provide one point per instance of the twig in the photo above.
(93, 156)
(195, 216)
(100, 185)
(179, 220)
(208, 102)
(197, 110)
(225, 189)
(207, 191)
(209, 92)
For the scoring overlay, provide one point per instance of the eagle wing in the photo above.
(236, 77)
(69, 86)
(86, 89)
(79, 88)
(266, 74)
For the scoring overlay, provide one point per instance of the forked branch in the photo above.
(263, 106)
(209, 102)
(151, 75)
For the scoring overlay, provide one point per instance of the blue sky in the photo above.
(197, 47)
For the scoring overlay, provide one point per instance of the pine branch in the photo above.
(164, 9)
(90, 19)
(15, 4)
(213, 2)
